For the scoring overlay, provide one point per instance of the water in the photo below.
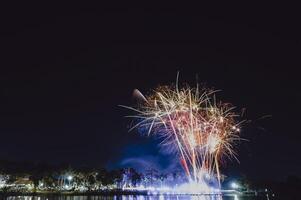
(135, 197)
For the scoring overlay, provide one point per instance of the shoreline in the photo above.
(106, 193)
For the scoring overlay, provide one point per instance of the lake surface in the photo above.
(135, 197)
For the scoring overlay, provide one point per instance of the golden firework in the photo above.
(191, 121)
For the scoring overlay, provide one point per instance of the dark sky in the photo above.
(66, 68)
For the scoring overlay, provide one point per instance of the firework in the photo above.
(191, 122)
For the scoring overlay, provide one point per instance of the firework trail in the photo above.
(190, 121)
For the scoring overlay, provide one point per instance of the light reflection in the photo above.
(122, 197)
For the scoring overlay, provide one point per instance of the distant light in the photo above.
(234, 185)
(69, 178)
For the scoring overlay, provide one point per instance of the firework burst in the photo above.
(190, 121)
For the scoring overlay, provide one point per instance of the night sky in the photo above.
(66, 68)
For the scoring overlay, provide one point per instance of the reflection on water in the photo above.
(133, 197)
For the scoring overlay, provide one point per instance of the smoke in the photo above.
(145, 156)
